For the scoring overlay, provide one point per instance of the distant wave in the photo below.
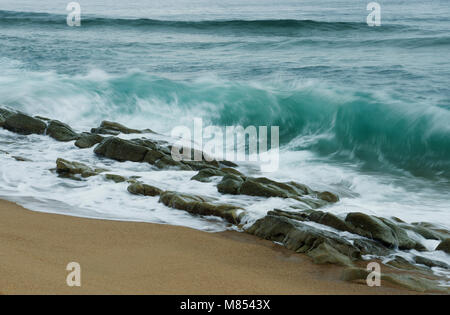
(23, 18)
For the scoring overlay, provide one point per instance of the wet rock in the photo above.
(422, 231)
(330, 220)
(302, 238)
(24, 124)
(205, 174)
(113, 128)
(121, 150)
(167, 162)
(88, 140)
(201, 206)
(115, 178)
(430, 262)
(4, 114)
(230, 184)
(143, 189)
(444, 246)
(199, 165)
(61, 132)
(76, 168)
(21, 159)
(264, 187)
(382, 230)
(371, 227)
(408, 281)
(401, 263)
(326, 254)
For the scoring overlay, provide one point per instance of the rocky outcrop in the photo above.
(24, 124)
(145, 151)
(88, 140)
(70, 169)
(61, 132)
(264, 187)
(202, 206)
(303, 238)
(143, 189)
(113, 128)
(444, 246)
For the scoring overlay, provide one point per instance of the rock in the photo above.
(152, 156)
(202, 206)
(205, 174)
(199, 165)
(103, 131)
(401, 263)
(424, 232)
(115, 178)
(121, 150)
(143, 189)
(301, 237)
(328, 196)
(76, 168)
(24, 124)
(4, 114)
(403, 240)
(325, 254)
(61, 132)
(444, 246)
(408, 281)
(230, 184)
(371, 227)
(167, 162)
(113, 128)
(430, 262)
(330, 220)
(265, 187)
(21, 159)
(88, 140)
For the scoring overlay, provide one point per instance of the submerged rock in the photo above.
(61, 132)
(24, 124)
(88, 140)
(76, 168)
(202, 206)
(115, 178)
(143, 189)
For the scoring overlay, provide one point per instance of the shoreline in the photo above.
(118, 257)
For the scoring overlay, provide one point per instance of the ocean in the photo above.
(362, 111)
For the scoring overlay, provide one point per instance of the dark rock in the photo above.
(301, 237)
(167, 162)
(88, 140)
(61, 132)
(4, 114)
(202, 206)
(371, 227)
(430, 263)
(104, 131)
(328, 196)
(143, 189)
(326, 254)
(113, 128)
(152, 156)
(404, 241)
(444, 246)
(205, 174)
(24, 124)
(230, 184)
(115, 178)
(121, 150)
(76, 168)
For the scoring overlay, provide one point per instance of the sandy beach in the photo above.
(142, 258)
